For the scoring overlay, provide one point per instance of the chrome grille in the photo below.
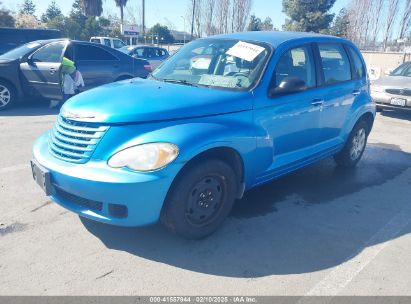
(75, 141)
(404, 92)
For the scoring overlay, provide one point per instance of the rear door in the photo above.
(97, 65)
(42, 70)
(338, 89)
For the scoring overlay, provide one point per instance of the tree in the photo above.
(341, 24)
(307, 16)
(92, 8)
(255, 24)
(405, 23)
(162, 32)
(52, 11)
(389, 25)
(268, 24)
(28, 8)
(240, 13)
(121, 4)
(6, 18)
(28, 21)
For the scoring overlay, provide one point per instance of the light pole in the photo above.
(184, 29)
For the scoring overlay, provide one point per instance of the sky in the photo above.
(167, 11)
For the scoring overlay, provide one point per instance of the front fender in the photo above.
(192, 136)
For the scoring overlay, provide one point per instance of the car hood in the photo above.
(400, 82)
(143, 100)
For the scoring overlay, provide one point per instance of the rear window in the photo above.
(335, 63)
(359, 68)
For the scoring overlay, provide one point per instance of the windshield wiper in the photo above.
(185, 82)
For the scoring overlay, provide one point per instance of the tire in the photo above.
(354, 148)
(8, 96)
(200, 199)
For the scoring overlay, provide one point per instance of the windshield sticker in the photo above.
(246, 51)
(219, 81)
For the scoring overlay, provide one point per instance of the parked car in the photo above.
(11, 38)
(154, 55)
(108, 41)
(394, 89)
(181, 147)
(33, 69)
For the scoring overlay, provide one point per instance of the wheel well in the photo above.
(226, 154)
(369, 119)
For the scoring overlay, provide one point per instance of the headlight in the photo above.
(146, 157)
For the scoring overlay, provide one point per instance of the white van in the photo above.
(108, 41)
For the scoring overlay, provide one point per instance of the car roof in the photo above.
(278, 37)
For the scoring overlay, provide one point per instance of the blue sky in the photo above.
(168, 11)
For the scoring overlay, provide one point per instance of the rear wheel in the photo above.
(354, 148)
(7, 95)
(200, 199)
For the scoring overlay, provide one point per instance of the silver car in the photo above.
(394, 90)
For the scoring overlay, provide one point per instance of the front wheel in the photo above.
(7, 95)
(200, 199)
(354, 148)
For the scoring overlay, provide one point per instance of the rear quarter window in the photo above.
(335, 63)
(359, 68)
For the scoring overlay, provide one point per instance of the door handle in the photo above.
(317, 102)
(52, 70)
(356, 92)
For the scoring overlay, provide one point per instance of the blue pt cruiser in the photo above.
(223, 115)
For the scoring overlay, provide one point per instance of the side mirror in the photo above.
(388, 72)
(289, 85)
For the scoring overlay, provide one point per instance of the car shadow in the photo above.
(397, 113)
(301, 223)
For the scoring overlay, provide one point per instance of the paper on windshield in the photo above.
(245, 50)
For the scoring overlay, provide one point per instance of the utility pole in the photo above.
(144, 16)
(192, 19)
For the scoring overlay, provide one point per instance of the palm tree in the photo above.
(121, 4)
(92, 7)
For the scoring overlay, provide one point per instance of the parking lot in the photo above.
(319, 231)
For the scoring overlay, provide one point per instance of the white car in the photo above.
(108, 41)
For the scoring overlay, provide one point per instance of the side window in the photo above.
(139, 52)
(89, 52)
(107, 42)
(336, 66)
(95, 40)
(359, 68)
(118, 43)
(50, 53)
(296, 63)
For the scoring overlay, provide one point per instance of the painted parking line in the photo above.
(334, 282)
(14, 168)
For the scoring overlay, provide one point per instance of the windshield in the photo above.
(20, 51)
(218, 63)
(403, 70)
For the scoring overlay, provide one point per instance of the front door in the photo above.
(42, 70)
(290, 121)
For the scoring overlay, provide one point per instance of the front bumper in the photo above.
(384, 98)
(96, 191)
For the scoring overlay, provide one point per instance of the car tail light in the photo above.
(147, 67)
